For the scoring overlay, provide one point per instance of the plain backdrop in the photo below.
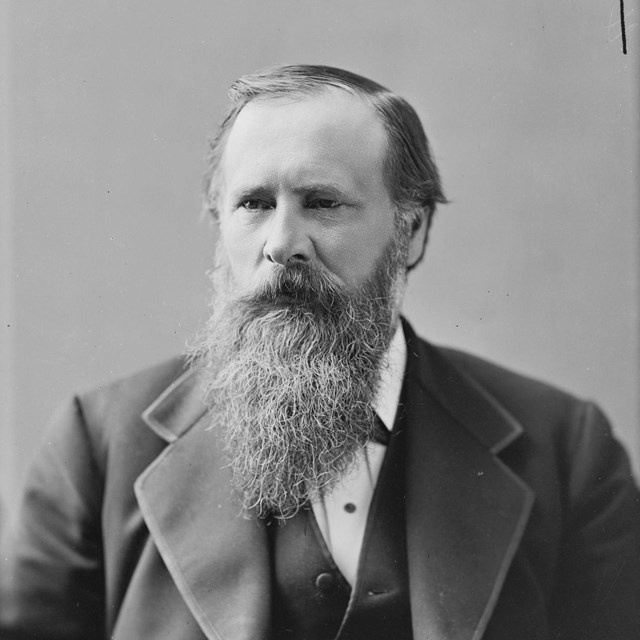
(532, 110)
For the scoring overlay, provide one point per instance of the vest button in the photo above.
(326, 582)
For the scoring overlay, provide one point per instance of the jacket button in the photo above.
(326, 582)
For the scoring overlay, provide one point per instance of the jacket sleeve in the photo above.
(51, 567)
(598, 595)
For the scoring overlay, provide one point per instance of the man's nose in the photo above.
(287, 237)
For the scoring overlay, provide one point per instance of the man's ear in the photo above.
(418, 238)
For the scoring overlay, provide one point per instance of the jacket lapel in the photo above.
(217, 559)
(466, 511)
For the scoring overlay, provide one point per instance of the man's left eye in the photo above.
(323, 203)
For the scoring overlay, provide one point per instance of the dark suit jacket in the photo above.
(521, 513)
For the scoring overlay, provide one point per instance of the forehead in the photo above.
(330, 136)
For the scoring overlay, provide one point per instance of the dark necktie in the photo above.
(381, 434)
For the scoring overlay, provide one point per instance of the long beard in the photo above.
(291, 372)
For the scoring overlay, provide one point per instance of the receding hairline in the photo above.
(302, 93)
(294, 94)
(283, 79)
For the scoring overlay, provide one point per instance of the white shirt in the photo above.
(342, 514)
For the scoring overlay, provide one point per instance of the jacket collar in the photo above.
(461, 538)
(460, 395)
(177, 408)
(218, 560)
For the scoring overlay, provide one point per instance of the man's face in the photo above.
(293, 355)
(302, 181)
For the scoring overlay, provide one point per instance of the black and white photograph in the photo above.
(319, 320)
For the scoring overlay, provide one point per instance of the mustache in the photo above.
(300, 284)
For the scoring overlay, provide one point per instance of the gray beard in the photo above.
(290, 374)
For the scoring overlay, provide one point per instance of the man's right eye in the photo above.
(256, 205)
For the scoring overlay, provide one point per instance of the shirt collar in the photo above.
(391, 377)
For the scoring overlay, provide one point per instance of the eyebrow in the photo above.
(247, 193)
(307, 188)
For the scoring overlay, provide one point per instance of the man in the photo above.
(316, 470)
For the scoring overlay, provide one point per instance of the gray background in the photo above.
(532, 110)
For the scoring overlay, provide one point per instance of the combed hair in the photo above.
(410, 172)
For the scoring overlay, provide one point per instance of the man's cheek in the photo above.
(239, 256)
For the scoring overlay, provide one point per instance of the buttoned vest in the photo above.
(311, 598)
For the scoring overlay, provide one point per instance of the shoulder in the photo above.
(436, 361)
(109, 418)
(131, 394)
(518, 393)
(525, 398)
(552, 419)
(565, 438)
(556, 426)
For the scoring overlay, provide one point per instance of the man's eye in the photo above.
(256, 205)
(323, 203)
